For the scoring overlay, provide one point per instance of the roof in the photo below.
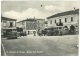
(21, 21)
(30, 19)
(5, 18)
(64, 13)
(40, 19)
(27, 20)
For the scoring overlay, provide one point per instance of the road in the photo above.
(41, 46)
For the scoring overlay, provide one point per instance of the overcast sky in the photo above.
(21, 10)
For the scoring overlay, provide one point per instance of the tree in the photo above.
(18, 30)
(21, 30)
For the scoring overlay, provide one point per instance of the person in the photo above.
(34, 32)
(28, 32)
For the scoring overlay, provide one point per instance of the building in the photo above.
(7, 23)
(28, 24)
(40, 24)
(46, 24)
(22, 24)
(67, 18)
(31, 24)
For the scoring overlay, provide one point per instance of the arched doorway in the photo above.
(66, 30)
(65, 27)
(72, 29)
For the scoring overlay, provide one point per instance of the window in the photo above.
(23, 27)
(23, 23)
(34, 22)
(71, 19)
(11, 24)
(34, 27)
(59, 20)
(42, 24)
(59, 27)
(4, 23)
(50, 21)
(27, 27)
(55, 21)
(65, 19)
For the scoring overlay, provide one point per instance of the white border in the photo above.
(37, 0)
(0, 27)
(3, 49)
(40, 0)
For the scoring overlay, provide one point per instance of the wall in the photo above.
(7, 23)
(40, 24)
(31, 25)
(68, 23)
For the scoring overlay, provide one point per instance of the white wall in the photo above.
(41, 23)
(24, 26)
(8, 23)
(75, 19)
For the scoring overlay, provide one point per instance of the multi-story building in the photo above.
(31, 24)
(46, 24)
(40, 24)
(22, 24)
(67, 18)
(7, 23)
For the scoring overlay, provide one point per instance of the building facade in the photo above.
(7, 23)
(46, 24)
(67, 18)
(31, 24)
(22, 24)
(40, 24)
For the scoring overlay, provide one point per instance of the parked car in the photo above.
(22, 34)
(11, 34)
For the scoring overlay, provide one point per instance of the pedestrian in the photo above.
(25, 34)
(34, 32)
(28, 32)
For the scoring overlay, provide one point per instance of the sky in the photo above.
(21, 10)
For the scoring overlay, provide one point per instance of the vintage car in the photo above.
(22, 34)
(11, 33)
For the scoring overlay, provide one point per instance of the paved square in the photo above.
(41, 46)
